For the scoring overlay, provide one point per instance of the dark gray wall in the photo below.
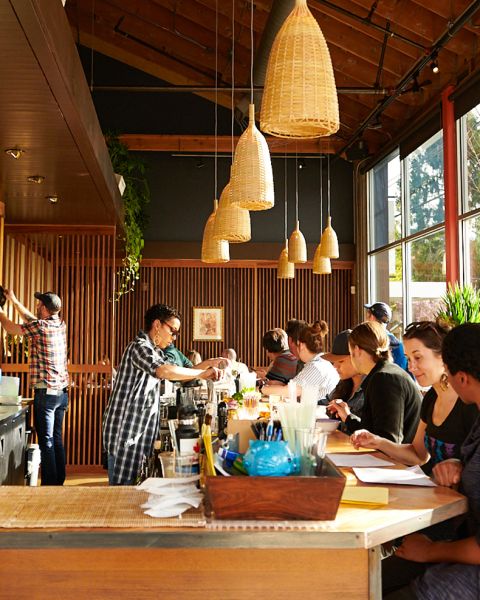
(183, 187)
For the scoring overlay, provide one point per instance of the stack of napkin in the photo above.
(170, 497)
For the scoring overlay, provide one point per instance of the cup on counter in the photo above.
(168, 463)
(186, 465)
(305, 449)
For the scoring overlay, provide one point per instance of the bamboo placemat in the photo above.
(89, 507)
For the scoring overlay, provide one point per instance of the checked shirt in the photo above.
(130, 421)
(47, 340)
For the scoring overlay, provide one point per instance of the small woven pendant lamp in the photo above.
(286, 269)
(321, 264)
(329, 237)
(299, 96)
(213, 250)
(252, 176)
(232, 223)
(297, 247)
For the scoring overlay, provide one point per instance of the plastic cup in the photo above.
(186, 465)
(305, 450)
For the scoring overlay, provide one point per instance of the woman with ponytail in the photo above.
(317, 373)
(392, 400)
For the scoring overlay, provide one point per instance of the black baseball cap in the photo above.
(340, 346)
(50, 300)
(381, 311)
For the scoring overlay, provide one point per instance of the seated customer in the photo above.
(194, 357)
(349, 387)
(456, 573)
(284, 364)
(392, 401)
(236, 366)
(317, 372)
(445, 421)
(294, 328)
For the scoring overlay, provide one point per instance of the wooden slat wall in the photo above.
(254, 300)
(77, 264)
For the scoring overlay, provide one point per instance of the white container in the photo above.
(9, 386)
(33, 464)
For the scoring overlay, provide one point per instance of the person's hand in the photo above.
(339, 408)
(212, 373)
(364, 439)
(9, 295)
(220, 362)
(415, 547)
(448, 472)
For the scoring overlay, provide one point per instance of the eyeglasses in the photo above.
(173, 332)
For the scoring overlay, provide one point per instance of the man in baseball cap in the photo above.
(50, 300)
(382, 313)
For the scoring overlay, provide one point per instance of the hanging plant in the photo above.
(461, 304)
(135, 198)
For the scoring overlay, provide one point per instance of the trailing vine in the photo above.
(135, 198)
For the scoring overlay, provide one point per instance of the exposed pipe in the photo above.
(209, 88)
(413, 72)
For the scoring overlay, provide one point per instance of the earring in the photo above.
(444, 382)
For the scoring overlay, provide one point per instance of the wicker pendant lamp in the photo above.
(299, 96)
(286, 269)
(252, 176)
(214, 250)
(321, 264)
(297, 247)
(232, 223)
(329, 237)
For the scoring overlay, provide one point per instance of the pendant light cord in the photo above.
(233, 67)
(251, 53)
(216, 97)
(328, 185)
(285, 209)
(321, 196)
(296, 189)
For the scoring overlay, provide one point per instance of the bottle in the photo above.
(222, 419)
(188, 440)
(157, 469)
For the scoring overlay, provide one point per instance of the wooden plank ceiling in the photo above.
(381, 51)
(46, 110)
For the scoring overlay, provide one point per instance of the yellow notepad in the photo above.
(365, 495)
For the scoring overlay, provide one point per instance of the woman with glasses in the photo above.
(445, 420)
(392, 401)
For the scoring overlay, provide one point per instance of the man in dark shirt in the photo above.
(382, 313)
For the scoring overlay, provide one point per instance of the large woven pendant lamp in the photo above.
(297, 247)
(286, 269)
(214, 250)
(321, 264)
(329, 237)
(232, 223)
(252, 176)
(299, 96)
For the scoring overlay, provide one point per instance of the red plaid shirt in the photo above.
(47, 351)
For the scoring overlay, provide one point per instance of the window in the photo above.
(386, 268)
(471, 258)
(386, 202)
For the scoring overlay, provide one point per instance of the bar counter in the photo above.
(219, 559)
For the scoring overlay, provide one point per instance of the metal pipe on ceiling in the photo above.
(453, 28)
(209, 88)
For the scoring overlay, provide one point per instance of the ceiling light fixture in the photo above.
(434, 65)
(15, 153)
(53, 198)
(36, 178)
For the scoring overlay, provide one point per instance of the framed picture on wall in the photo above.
(207, 323)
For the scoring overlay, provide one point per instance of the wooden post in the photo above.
(450, 175)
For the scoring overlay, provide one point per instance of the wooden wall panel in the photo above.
(254, 300)
(78, 265)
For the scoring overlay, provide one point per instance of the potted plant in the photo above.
(135, 198)
(461, 305)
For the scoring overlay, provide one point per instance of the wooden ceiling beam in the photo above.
(414, 20)
(223, 144)
(443, 8)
